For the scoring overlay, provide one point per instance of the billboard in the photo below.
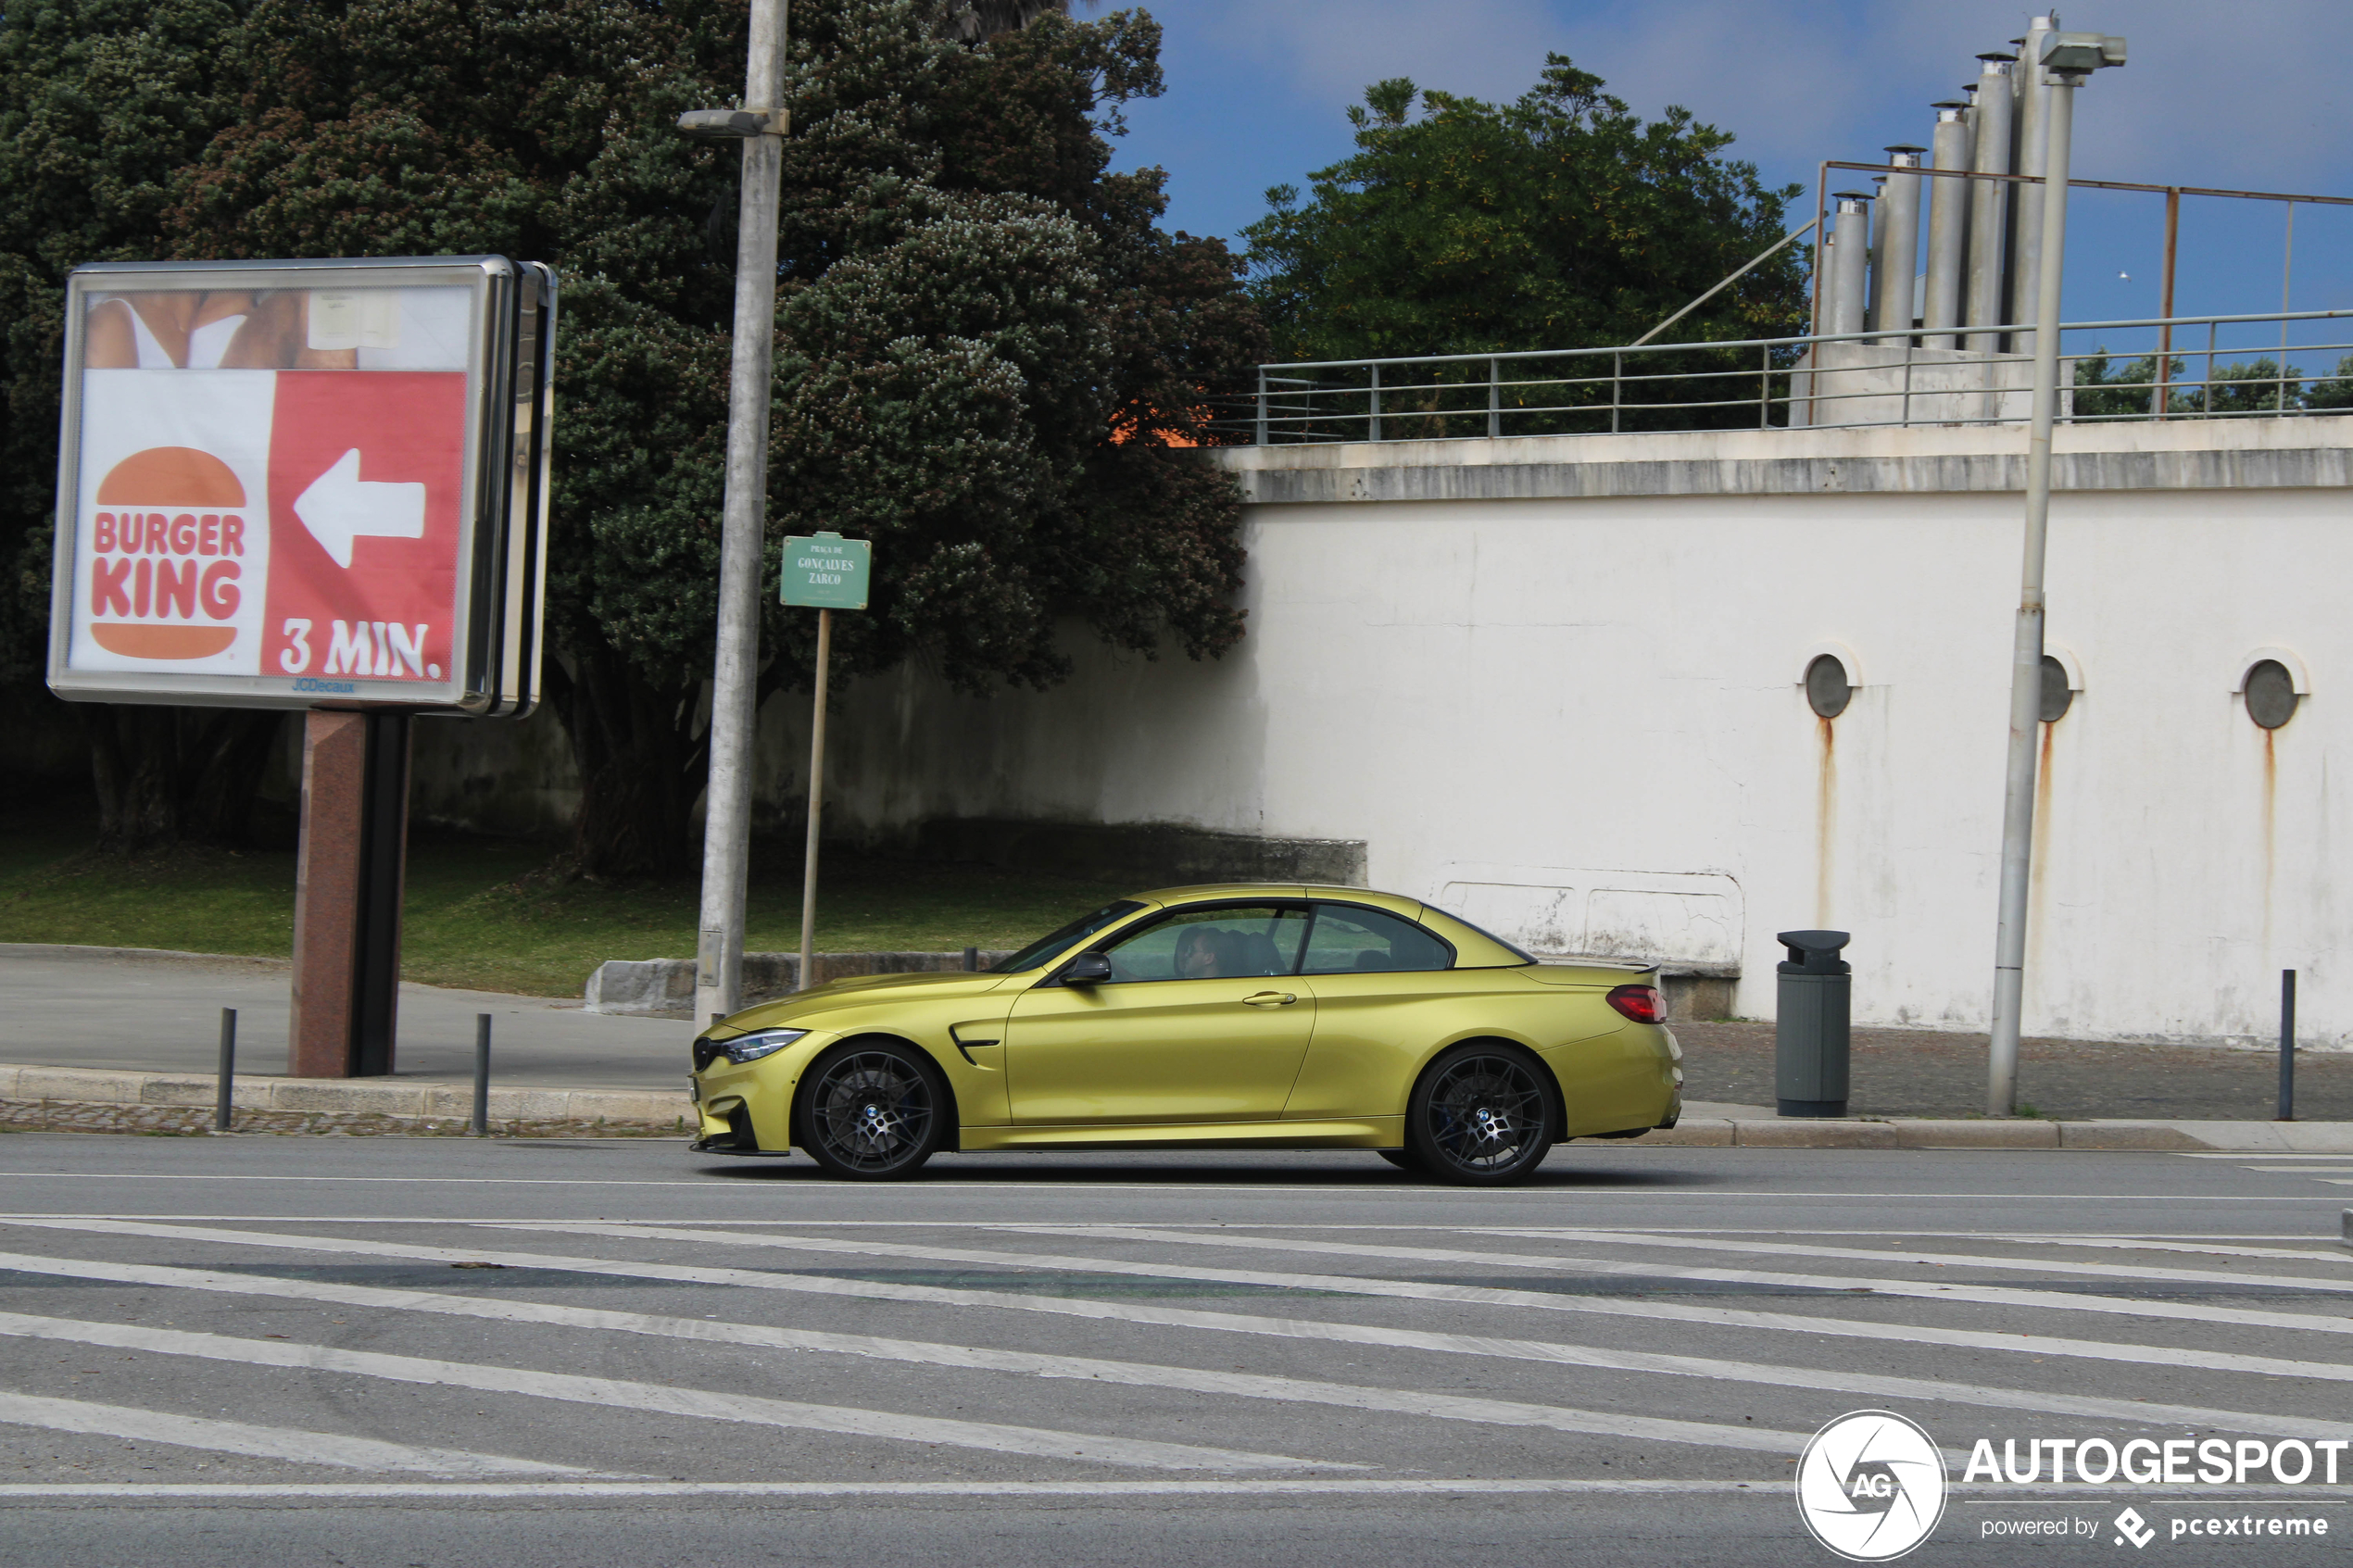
(305, 484)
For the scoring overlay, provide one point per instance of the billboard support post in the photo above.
(348, 892)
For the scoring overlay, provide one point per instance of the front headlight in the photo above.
(764, 1042)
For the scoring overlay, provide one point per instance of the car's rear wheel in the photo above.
(872, 1110)
(1482, 1115)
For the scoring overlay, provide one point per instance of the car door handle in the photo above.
(1269, 999)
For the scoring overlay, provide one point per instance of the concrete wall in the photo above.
(1554, 682)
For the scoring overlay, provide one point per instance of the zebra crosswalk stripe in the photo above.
(625, 1395)
(261, 1442)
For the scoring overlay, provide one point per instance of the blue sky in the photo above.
(2252, 94)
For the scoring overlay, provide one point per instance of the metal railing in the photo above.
(1827, 381)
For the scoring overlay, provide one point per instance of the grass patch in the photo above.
(491, 914)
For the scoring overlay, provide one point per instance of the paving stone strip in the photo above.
(176, 1121)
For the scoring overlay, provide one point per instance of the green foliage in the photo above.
(2253, 386)
(989, 354)
(100, 101)
(1559, 222)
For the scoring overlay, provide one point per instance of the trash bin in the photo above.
(1811, 1040)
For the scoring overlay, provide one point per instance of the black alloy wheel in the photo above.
(1481, 1116)
(871, 1112)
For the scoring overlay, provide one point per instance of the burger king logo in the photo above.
(168, 552)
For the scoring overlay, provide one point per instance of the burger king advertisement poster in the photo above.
(304, 484)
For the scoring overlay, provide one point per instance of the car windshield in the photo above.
(1046, 949)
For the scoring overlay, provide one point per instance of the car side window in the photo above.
(1349, 940)
(1224, 942)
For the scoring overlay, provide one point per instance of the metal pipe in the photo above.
(228, 1070)
(1947, 228)
(1899, 231)
(1262, 405)
(816, 803)
(1494, 399)
(2033, 157)
(2165, 303)
(1849, 258)
(971, 960)
(481, 1075)
(1989, 205)
(2287, 1044)
(1745, 267)
(1878, 280)
(1373, 424)
(734, 676)
(2026, 666)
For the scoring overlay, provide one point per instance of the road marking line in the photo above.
(622, 1394)
(2003, 1296)
(1312, 1329)
(261, 1442)
(1923, 1260)
(1245, 1384)
(1373, 1187)
(1444, 1407)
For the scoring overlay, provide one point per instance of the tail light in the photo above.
(1641, 1003)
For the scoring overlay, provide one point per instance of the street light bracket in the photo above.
(2080, 54)
(733, 125)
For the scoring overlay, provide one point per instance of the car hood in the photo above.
(808, 1009)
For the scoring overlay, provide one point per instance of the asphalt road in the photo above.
(242, 1350)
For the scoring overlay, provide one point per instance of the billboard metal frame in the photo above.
(496, 654)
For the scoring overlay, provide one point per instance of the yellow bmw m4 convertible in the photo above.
(1237, 1016)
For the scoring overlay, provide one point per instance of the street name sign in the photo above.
(824, 571)
(305, 484)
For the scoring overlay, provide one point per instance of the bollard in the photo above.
(972, 959)
(481, 1075)
(2287, 1044)
(1810, 1038)
(228, 1068)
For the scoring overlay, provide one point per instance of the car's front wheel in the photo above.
(1482, 1115)
(872, 1110)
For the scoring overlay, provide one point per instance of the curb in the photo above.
(2236, 1137)
(341, 1096)
(445, 1101)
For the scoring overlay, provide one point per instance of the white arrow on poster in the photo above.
(340, 507)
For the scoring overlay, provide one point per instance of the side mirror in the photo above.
(1086, 969)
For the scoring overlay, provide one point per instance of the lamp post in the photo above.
(759, 125)
(2068, 59)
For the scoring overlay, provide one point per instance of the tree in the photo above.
(101, 101)
(1561, 221)
(990, 352)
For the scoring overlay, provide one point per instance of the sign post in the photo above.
(829, 573)
(317, 486)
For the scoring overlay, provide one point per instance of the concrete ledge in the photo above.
(657, 987)
(1807, 1133)
(2230, 1137)
(1976, 1134)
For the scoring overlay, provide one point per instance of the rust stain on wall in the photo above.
(1826, 824)
(2039, 845)
(2271, 823)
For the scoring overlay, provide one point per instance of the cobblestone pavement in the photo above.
(175, 1121)
(1930, 1073)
